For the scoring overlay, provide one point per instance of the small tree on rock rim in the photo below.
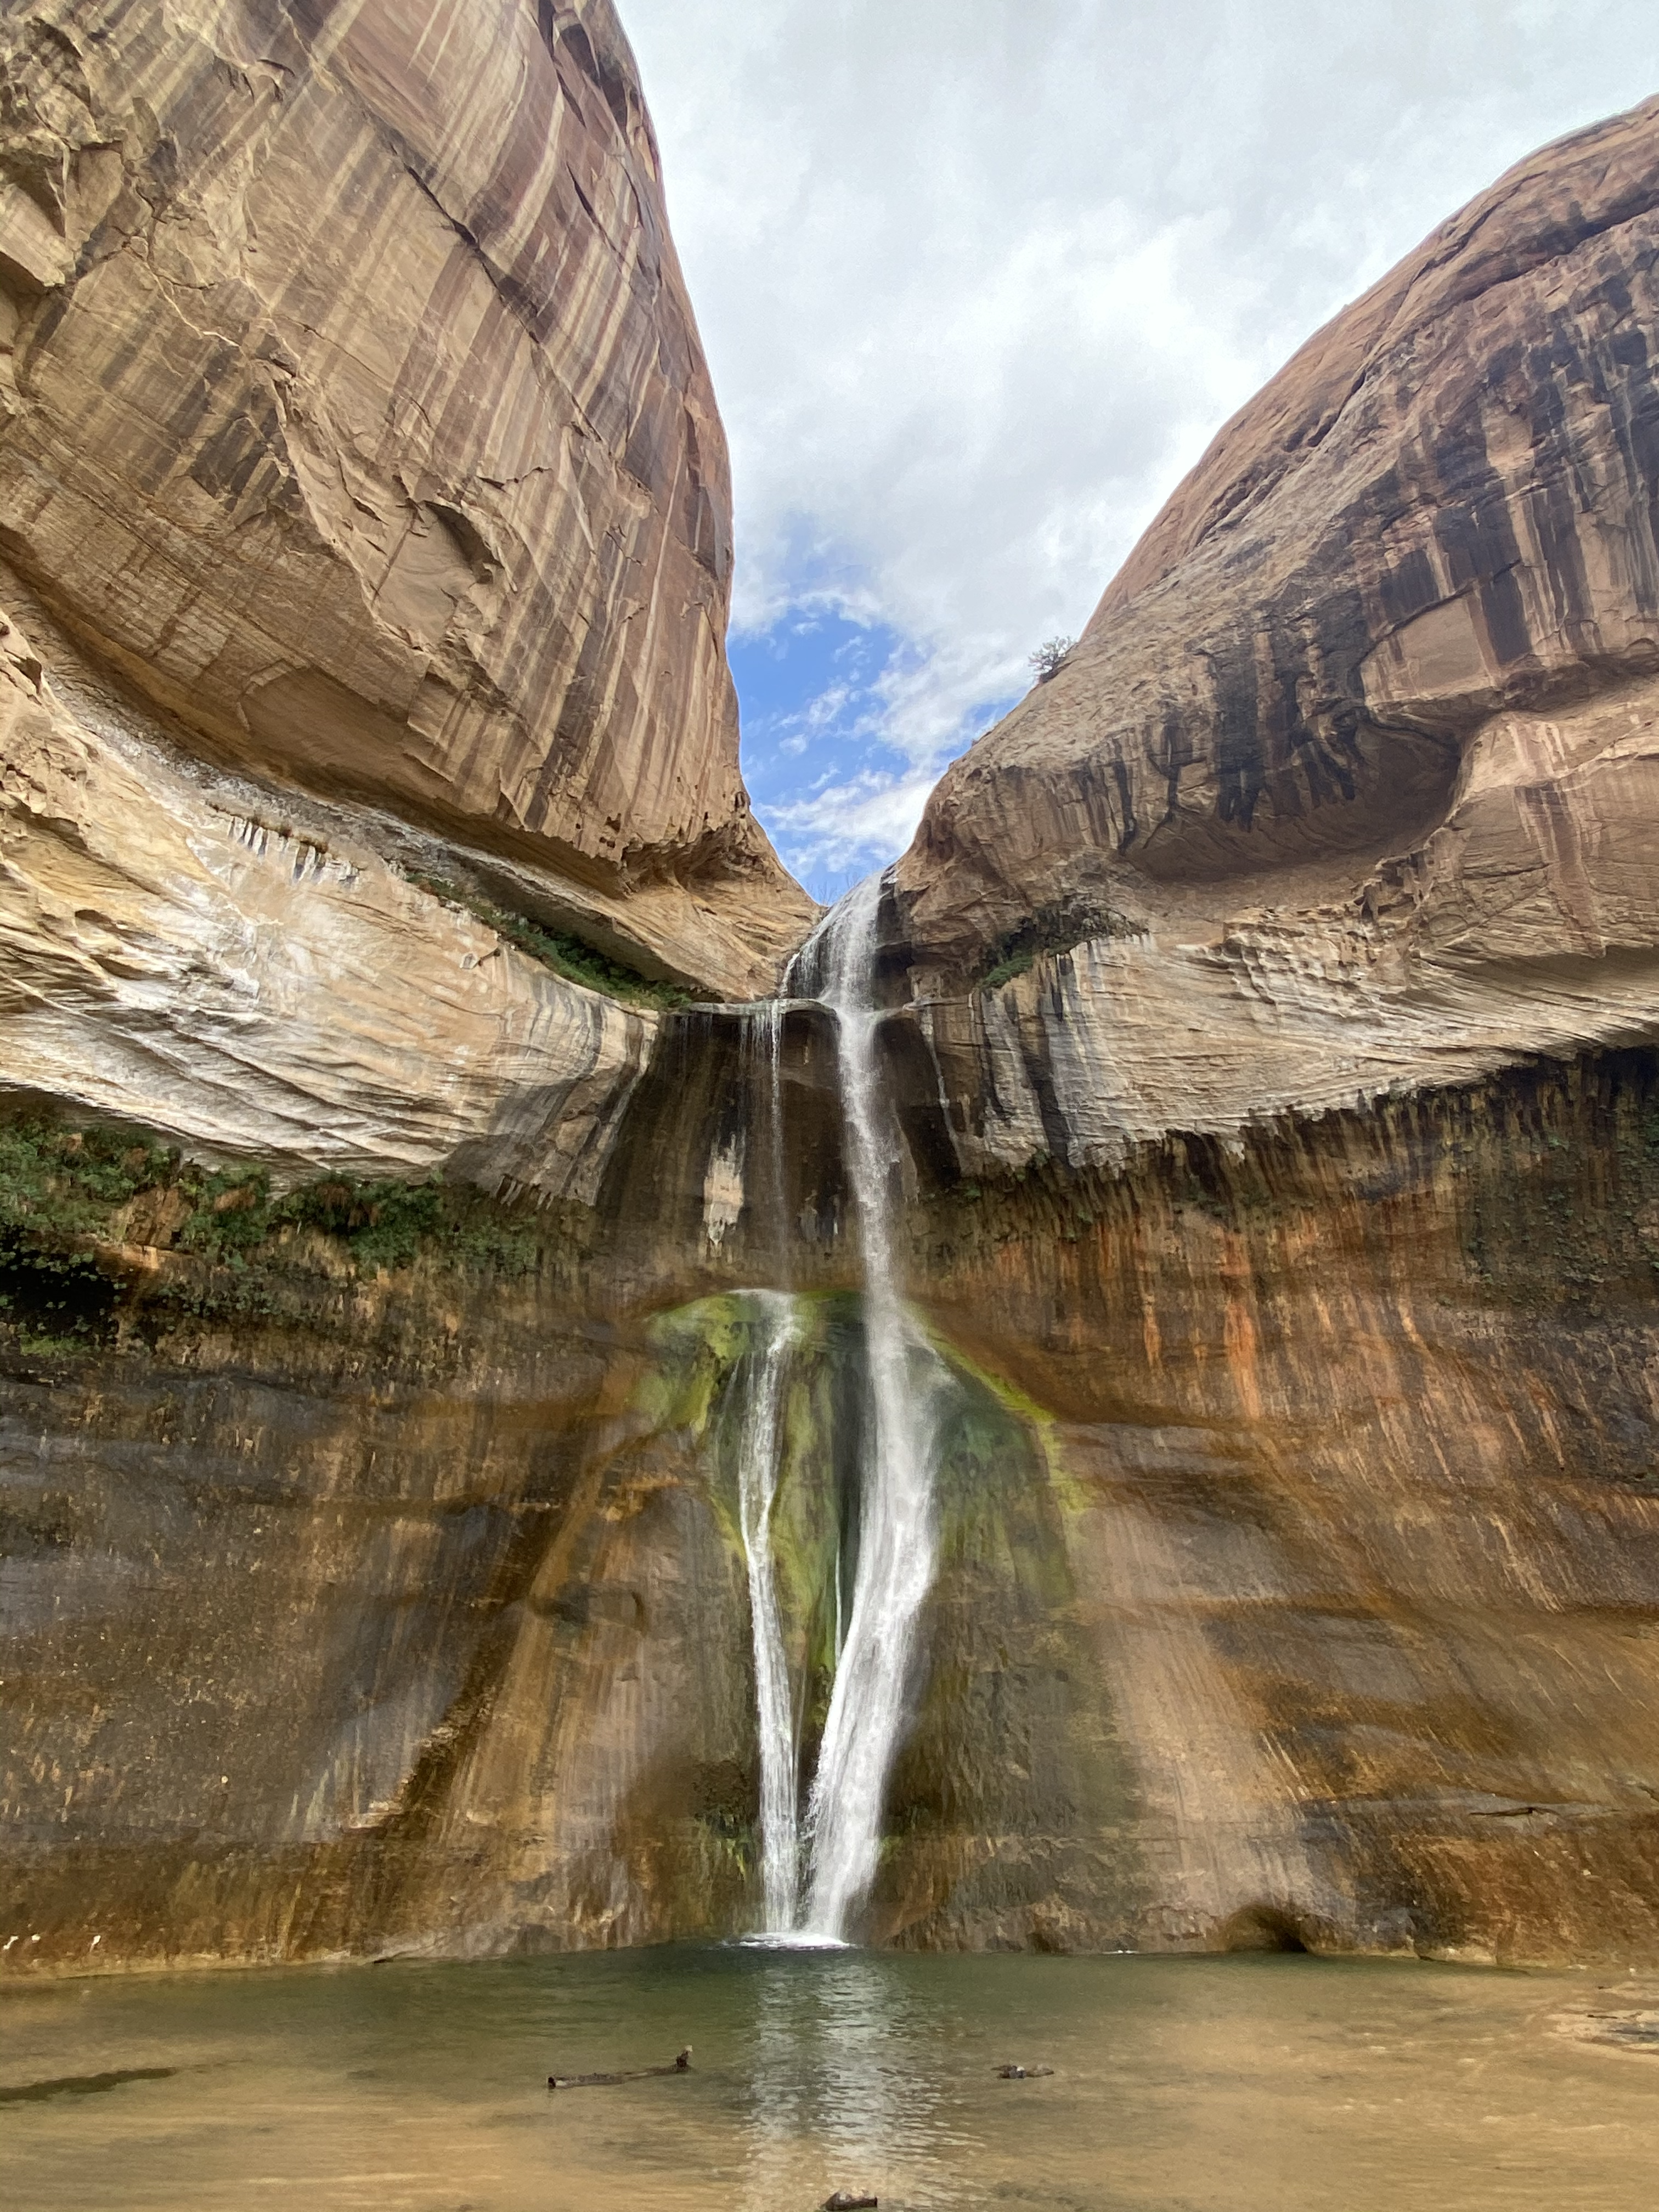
(1047, 660)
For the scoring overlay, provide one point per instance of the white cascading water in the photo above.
(897, 1521)
(895, 1552)
(772, 1342)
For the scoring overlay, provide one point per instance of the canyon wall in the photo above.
(1298, 1543)
(368, 796)
(1351, 782)
(364, 509)
(1274, 1028)
(1351, 1430)
(1275, 971)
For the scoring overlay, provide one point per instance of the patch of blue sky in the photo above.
(839, 750)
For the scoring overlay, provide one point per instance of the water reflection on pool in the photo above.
(1204, 2085)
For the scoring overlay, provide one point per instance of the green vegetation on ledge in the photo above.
(567, 956)
(65, 1192)
(1052, 929)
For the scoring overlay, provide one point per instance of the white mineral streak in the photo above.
(722, 1191)
(764, 1039)
(175, 953)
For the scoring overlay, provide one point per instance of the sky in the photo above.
(979, 279)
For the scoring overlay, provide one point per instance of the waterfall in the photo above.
(757, 1480)
(905, 1375)
(763, 1077)
(897, 1539)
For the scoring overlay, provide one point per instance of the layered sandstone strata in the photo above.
(263, 977)
(1297, 1552)
(357, 428)
(1353, 782)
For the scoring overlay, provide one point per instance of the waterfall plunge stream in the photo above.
(757, 1482)
(905, 1378)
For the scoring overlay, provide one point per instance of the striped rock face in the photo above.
(1352, 782)
(354, 420)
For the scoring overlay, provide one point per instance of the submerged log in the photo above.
(681, 2065)
(1022, 2073)
(840, 2201)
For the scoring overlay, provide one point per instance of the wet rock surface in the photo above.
(1354, 1454)
(1297, 1566)
(1618, 2016)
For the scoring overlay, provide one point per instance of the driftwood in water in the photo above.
(82, 2085)
(681, 2065)
(1022, 2073)
(840, 2201)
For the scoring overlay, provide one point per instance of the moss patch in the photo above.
(701, 1348)
(65, 1192)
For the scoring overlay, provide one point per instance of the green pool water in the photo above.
(1202, 2085)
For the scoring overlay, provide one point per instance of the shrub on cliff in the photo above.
(1049, 658)
(66, 1192)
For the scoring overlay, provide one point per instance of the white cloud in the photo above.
(832, 833)
(979, 278)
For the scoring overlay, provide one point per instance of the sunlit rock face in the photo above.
(356, 426)
(1351, 782)
(256, 978)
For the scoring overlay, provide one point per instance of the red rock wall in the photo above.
(355, 412)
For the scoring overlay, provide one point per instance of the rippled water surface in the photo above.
(1209, 2085)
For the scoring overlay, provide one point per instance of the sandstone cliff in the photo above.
(373, 1578)
(1350, 783)
(355, 434)
(368, 789)
(1267, 1149)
